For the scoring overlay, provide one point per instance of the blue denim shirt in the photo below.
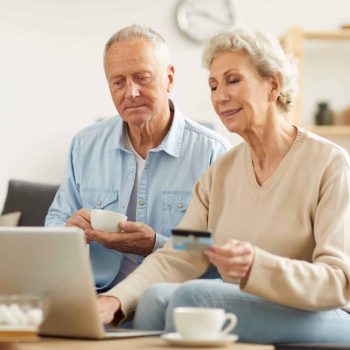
(101, 174)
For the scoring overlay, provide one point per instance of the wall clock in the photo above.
(200, 19)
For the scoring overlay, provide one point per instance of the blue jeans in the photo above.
(259, 321)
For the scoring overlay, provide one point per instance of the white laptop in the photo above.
(54, 262)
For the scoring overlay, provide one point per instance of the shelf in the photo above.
(293, 42)
(331, 130)
(323, 35)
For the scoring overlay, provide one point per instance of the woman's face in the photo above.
(240, 96)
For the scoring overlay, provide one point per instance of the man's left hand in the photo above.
(134, 238)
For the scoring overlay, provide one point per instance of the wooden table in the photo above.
(115, 344)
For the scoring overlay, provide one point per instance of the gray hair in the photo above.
(267, 56)
(135, 32)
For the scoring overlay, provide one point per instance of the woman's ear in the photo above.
(276, 86)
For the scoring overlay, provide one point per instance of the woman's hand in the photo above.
(233, 259)
(107, 307)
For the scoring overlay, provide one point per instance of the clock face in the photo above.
(200, 19)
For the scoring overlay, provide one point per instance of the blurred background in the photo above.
(52, 82)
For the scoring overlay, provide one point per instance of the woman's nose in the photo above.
(222, 96)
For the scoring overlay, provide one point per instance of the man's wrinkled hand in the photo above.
(81, 219)
(134, 238)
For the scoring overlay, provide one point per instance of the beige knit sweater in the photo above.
(298, 222)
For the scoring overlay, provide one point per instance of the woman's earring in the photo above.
(272, 95)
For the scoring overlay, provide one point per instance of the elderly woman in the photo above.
(278, 206)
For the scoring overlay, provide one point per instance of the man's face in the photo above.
(138, 81)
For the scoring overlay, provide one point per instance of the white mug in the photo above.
(105, 220)
(203, 323)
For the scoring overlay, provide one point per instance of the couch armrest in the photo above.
(31, 199)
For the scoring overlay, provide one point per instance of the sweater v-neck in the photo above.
(261, 190)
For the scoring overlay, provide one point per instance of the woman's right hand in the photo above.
(107, 307)
(234, 259)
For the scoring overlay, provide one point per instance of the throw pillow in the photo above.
(10, 219)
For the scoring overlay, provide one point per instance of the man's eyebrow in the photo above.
(143, 72)
(119, 75)
(113, 76)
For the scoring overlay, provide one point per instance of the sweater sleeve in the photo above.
(323, 283)
(167, 264)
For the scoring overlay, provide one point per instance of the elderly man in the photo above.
(142, 163)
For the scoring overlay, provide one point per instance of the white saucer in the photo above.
(176, 339)
(18, 328)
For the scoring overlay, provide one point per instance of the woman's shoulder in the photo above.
(228, 164)
(227, 160)
(322, 148)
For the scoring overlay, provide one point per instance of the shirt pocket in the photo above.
(174, 206)
(94, 198)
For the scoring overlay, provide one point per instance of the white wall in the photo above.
(51, 77)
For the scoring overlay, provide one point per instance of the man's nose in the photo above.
(132, 90)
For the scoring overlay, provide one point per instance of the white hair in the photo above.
(266, 54)
(135, 32)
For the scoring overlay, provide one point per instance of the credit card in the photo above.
(191, 239)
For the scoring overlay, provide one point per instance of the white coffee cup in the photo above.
(106, 220)
(203, 323)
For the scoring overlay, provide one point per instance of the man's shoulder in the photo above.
(103, 127)
(204, 133)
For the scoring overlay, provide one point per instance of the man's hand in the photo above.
(134, 238)
(107, 307)
(233, 259)
(81, 219)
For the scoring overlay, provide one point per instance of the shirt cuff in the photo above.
(54, 223)
(160, 241)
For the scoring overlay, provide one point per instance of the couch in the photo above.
(28, 202)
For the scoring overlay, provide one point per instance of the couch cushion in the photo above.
(10, 219)
(31, 199)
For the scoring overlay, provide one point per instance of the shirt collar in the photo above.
(117, 140)
(171, 143)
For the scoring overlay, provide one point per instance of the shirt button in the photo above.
(146, 167)
(180, 205)
(141, 202)
(98, 203)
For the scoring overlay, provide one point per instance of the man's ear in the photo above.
(171, 73)
(276, 86)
